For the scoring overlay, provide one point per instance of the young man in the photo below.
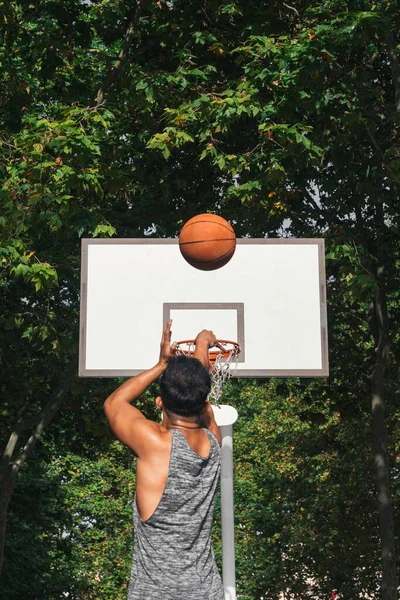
(177, 473)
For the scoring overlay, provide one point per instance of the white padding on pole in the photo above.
(225, 417)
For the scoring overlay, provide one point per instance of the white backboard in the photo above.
(271, 298)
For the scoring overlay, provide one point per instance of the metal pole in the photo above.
(225, 417)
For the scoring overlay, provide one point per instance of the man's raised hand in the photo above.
(167, 350)
(206, 336)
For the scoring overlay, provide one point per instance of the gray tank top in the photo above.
(173, 557)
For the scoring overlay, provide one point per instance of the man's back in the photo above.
(173, 557)
(176, 481)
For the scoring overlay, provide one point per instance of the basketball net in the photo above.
(223, 360)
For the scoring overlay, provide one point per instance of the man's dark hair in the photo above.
(185, 386)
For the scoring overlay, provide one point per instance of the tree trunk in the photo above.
(13, 458)
(119, 65)
(6, 489)
(379, 440)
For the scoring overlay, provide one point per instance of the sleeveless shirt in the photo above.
(173, 557)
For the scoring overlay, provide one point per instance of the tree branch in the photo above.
(311, 200)
(395, 66)
(375, 143)
(8, 452)
(291, 8)
(359, 261)
(12, 442)
(119, 64)
(41, 421)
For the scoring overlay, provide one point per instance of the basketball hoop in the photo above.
(221, 359)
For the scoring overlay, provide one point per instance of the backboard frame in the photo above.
(247, 373)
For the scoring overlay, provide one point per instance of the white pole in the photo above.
(225, 417)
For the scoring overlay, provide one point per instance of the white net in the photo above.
(224, 359)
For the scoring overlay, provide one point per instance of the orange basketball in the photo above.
(207, 242)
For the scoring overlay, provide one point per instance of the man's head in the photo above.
(185, 386)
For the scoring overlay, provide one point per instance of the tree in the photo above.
(304, 494)
(126, 122)
(71, 523)
(52, 192)
(316, 97)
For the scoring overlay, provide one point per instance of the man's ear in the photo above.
(159, 403)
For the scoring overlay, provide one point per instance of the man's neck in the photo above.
(187, 427)
(185, 422)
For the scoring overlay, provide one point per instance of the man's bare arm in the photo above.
(204, 341)
(127, 422)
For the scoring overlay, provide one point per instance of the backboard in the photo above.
(270, 297)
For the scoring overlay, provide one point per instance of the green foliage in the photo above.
(283, 119)
(71, 523)
(302, 470)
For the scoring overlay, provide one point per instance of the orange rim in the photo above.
(222, 351)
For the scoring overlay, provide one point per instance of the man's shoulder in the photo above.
(155, 436)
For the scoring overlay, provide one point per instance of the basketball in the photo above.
(207, 242)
